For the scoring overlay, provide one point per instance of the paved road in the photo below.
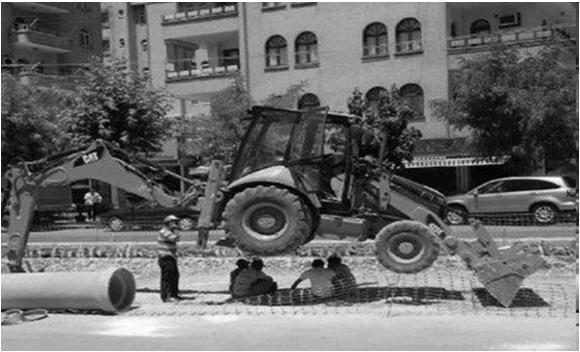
(555, 232)
(327, 332)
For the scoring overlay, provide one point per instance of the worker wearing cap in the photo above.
(167, 252)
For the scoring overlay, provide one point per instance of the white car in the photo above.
(542, 197)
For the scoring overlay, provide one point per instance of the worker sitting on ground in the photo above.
(241, 264)
(253, 282)
(344, 282)
(320, 279)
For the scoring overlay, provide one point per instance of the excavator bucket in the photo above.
(501, 271)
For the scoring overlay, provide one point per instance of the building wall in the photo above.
(340, 52)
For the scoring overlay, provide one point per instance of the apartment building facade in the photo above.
(45, 41)
(42, 44)
(193, 49)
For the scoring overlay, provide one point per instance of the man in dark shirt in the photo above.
(241, 265)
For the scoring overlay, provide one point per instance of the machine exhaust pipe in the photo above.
(111, 290)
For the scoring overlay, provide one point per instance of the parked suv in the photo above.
(542, 197)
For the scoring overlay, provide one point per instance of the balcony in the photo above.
(409, 47)
(40, 7)
(189, 70)
(531, 36)
(27, 37)
(209, 13)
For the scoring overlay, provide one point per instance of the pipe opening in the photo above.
(122, 289)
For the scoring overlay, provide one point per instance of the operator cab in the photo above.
(313, 144)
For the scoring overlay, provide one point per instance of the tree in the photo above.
(288, 99)
(518, 106)
(118, 105)
(31, 126)
(218, 134)
(387, 138)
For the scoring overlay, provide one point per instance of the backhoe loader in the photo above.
(296, 174)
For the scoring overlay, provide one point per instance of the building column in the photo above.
(462, 178)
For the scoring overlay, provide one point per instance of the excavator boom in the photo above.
(99, 161)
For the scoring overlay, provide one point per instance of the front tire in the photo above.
(406, 247)
(267, 220)
(544, 213)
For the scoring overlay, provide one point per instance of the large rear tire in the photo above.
(406, 247)
(267, 220)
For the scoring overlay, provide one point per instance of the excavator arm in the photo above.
(99, 161)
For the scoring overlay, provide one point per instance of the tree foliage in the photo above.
(521, 106)
(288, 99)
(219, 133)
(30, 121)
(387, 138)
(118, 105)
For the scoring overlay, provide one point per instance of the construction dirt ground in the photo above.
(441, 308)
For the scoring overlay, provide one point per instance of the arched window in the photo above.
(375, 39)
(122, 43)
(408, 36)
(413, 95)
(306, 48)
(276, 51)
(144, 44)
(480, 26)
(308, 100)
(85, 38)
(374, 93)
(373, 96)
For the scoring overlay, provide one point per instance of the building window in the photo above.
(480, 26)
(375, 40)
(140, 14)
(106, 46)
(182, 58)
(408, 36)
(412, 94)
(145, 71)
(308, 101)
(105, 18)
(145, 44)
(272, 5)
(85, 38)
(276, 51)
(373, 97)
(121, 13)
(122, 43)
(306, 48)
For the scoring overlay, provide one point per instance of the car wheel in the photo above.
(186, 223)
(544, 213)
(456, 215)
(116, 223)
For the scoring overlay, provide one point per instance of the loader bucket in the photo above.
(503, 274)
(501, 271)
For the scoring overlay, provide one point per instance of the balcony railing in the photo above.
(409, 47)
(188, 69)
(199, 14)
(375, 50)
(530, 35)
(39, 38)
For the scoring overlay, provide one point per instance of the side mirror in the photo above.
(474, 193)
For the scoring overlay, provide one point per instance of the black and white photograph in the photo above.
(289, 176)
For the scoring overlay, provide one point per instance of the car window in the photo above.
(539, 184)
(518, 185)
(493, 187)
(569, 181)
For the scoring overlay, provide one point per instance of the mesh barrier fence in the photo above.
(445, 288)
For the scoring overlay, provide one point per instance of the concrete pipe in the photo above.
(111, 290)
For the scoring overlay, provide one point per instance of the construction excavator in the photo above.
(297, 173)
